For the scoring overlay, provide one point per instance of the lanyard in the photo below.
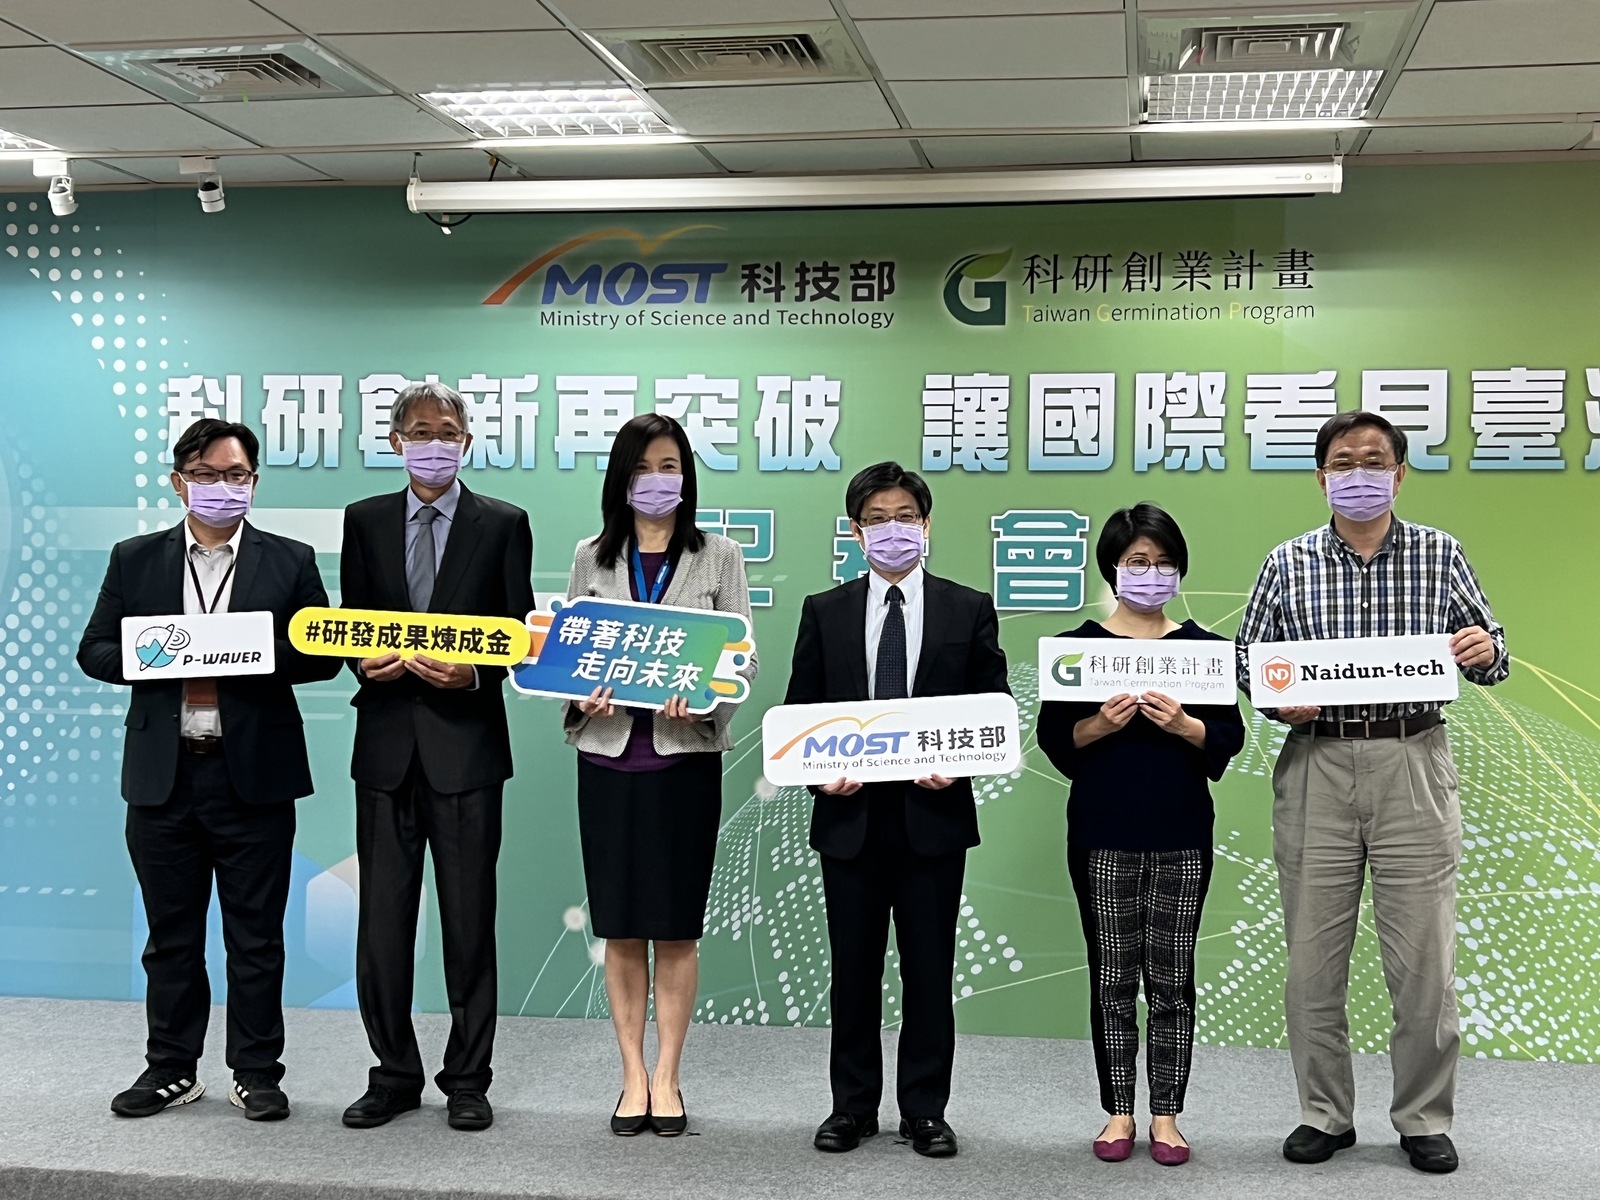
(652, 594)
(199, 593)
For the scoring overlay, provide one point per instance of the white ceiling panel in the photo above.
(352, 121)
(17, 175)
(189, 21)
(123, 127)
(410, 16)
(425, 62)
(844, 154)
(1000, 47)
(10, 35)
(1496, 91)
(1502, 33)
(38, 76)
(1022, 151)
(1218, 7)
(791, 108)
(1468, 139)
(394, 166)
(609, 162)
(868, 9)
(1013, 103)
(253, 168)
(1268, 144)
(656, 14)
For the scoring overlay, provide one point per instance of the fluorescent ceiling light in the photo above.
(857, 191)
(1259, 95)
(550, 113)
(17, 142)
(563, 143)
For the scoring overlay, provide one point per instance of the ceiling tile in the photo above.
(249, 168)
(791, 108)
(425, 62)
(410, 16)
(990, 151)
(1212, 7)
(867, 9)
(351, 121)
(1467, 139)
(1013, 103)
(843, 154)
(1494, 91)
(394, 166)
(17, 175)
(10, 35)
(657, 14)
(124, 127)
(999, 47)
(609, 162)
(187, 21)
(1267, 144)
(39, 76)
(1499, 33)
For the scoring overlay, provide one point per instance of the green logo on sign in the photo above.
(991, 309)
(1066, 671)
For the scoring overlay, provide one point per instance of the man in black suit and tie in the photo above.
(432, 755)
(893, 849)
(211, 769)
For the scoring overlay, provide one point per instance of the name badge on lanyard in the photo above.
(651, 594)
(202, 692)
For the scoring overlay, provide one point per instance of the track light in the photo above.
(210, 193)
(62, 202)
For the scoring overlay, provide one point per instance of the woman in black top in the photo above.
(1139, 836)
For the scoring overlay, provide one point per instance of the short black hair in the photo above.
(1336, 426)
(880, 477)
(1127, 525)
(200, 436)
(616, 514)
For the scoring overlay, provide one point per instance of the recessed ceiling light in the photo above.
(17, 142)
(1259, 95)
(551, 113)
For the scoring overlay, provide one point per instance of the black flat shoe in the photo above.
(1434, 1153)
(630, 1126)
(671, 1126)
(843, 1131)
(380, 1105)
(470, 1111)
(1308, 1144)
(930, 1137)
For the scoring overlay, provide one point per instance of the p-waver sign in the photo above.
(203, 645)
(875, 740)
(1377, 670)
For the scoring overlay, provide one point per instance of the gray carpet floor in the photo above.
(1024, 1109)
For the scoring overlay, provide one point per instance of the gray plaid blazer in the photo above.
(712, 578)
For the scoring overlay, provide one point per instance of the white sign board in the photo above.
(1189, 670)
(202, 645)
(1376, 670)
(874, 740)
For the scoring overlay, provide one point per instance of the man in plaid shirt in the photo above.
(1370, 784)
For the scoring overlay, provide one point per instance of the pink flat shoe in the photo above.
(1168, 1155)
(1118, 1151)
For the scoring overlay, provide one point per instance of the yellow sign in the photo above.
(366, 633)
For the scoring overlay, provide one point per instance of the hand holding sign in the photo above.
(1472, 647)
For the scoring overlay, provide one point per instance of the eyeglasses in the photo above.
(235, 475)
(424, 435)
(1338, 466)
(1141, 566)
(905, 517)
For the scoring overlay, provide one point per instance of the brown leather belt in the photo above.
(1362, 729)
(202, 745)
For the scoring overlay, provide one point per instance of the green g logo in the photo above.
(1066, 671)
(992, 310)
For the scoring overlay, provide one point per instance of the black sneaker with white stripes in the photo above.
(157, 1089)
(259, 1095)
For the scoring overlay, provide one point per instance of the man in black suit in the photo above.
(211, 769)
(432, 755)
(893, 849)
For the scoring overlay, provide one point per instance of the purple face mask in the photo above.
(219, 504)
(432, 464)
(1149, 592)
(893, 545)
(1361, 494)
(655, 495)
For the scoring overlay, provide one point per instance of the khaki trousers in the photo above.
(1340, 807)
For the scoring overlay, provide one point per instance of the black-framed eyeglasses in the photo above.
(1141, 566)
(1340, 466)
(905, 518)
(206, 475)
(425, 435)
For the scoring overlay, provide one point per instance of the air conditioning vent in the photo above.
(811, 53)
(233, 73)
(238, 76)
(1306, 47)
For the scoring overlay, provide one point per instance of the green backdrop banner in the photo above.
(1043, 365)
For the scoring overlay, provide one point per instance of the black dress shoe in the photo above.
(670, 1126)
(630, 1126)
(470, 1111)
(1434, 1153)
(259, 1095)
(843, 1131)
(379, 1106)
(156, 1089)
(930, 1137)
(1308, 1144)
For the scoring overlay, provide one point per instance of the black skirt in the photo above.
(649, 841)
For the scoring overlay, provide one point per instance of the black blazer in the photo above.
(487, 571)
(263, 738)
(960, 655)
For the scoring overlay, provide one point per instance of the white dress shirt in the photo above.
(878, 610)
(211, 567)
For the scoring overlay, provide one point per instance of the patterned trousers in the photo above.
(1140, 911)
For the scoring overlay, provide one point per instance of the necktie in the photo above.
(420, 567)
(891, 673)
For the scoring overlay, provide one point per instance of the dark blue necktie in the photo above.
(891, 673)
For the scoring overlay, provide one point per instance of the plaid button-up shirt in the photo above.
(1315, 586)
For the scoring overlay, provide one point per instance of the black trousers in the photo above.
(203, 831)
(463, 831)
(922, 895)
